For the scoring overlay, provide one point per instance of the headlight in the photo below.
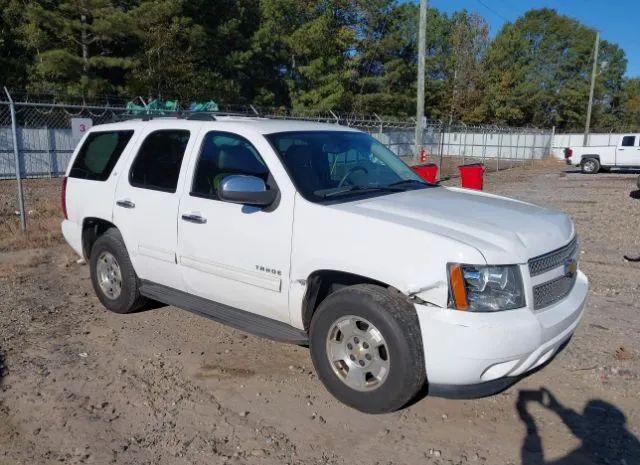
(485, 288)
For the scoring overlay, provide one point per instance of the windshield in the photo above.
(340, 165)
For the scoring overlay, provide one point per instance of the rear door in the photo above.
(93, 174)
(147, 198)
(628, 152)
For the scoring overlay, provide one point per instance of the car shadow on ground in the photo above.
(601, 428)
(612, 171)
(3, 366)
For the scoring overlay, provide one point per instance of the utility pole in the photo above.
(422, 52)
(594, 71)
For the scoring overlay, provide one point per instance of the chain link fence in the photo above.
(38, 141)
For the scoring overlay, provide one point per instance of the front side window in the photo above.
(225, 154)
(341, 165)
(99, 154)
(157, 165)
(628, 141)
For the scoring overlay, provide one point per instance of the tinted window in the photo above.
(99, 154)
(157, 165)
(224, 154)
(628, 141)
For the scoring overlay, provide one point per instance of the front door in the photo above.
(628, 152)
(234, 254)
(146, 203)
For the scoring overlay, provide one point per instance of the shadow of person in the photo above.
(3, 366)
(601, 429)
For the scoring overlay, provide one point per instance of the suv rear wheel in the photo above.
(112, 275)
(366, 347)
(590, 165)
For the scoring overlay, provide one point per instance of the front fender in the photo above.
(408, 259)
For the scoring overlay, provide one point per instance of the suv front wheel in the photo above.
(112, 275)
(366, 347)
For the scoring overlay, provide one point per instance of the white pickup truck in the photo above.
(593, 159)
(319, 235)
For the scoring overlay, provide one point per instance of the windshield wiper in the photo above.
(405, 182)
(362, 189)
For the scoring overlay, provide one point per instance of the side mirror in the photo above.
(246, 190)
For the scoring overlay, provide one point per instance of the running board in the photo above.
(230, 316)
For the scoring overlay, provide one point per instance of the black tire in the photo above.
(590, 165)
(397, 321)
(129, 300)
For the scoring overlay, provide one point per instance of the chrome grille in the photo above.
(553, 291)
(551, 260)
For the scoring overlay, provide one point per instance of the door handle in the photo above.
(620, 149)
(192, 218)
(124, 203)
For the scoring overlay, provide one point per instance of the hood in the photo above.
(503, 230)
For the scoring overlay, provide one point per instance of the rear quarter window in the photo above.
(99, 154)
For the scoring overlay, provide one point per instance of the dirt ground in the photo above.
(82, 385)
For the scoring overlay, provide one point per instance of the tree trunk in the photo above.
(84, 44)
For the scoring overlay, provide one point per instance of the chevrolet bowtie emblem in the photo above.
(570, 267)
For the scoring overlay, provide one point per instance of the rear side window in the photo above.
(99, 154)
(628, 141)
(157, 165)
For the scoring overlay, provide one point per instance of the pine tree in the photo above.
(78, 46)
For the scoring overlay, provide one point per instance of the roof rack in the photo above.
(188, 115)
(199, 117)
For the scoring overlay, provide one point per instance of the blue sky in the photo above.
(617, 20)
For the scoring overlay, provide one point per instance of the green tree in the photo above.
(385, 58)
(322, 46)
(77, 46)
(538, 72)
(469, 40)
(14, 57)
(630, 108)
(169, 52)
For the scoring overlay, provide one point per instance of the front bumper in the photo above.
(482, 353)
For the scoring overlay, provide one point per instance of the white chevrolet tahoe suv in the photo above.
(318, 235)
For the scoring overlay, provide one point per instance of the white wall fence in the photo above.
(505, 144)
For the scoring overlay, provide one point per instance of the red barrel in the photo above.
(428, 172)
(472, 176)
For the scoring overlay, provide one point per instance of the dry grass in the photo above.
(42, 202)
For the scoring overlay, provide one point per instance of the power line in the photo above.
(492, 10)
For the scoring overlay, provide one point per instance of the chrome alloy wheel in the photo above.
(357, 353)
(109, 276)
(589, 166)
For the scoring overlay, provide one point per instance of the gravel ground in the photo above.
(82, 385)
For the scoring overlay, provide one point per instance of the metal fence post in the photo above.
(533, 148)
(484, 145)
(464, 148)
(380, 128)
(500, 136)
(16, 155)
(441, 150)
(48, 149)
